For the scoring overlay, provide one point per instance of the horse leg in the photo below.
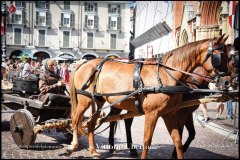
(180, 129)
(114, 111)
(150, 124)
(91, 127)
(172, 127)
(82, 106)
(191, 130)
(128, 124)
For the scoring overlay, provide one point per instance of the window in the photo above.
(42, 4)
(67, 20)
(113, 8)
(41, 37)
(90, 20)
(67, 5)
(113, 23)
(90, 7)
(66, 35)
(113, 42)
(17, 17)
(42, 18)
(17, 35)
(89, 40)
(190, 11)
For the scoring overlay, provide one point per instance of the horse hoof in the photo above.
(112, 151)
(96, 155)
(133, 152)
(70, 149)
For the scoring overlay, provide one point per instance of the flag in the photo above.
(12, 8)
(2, 29)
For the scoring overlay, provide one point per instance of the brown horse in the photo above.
(117, 77)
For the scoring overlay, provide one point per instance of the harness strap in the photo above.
(138, 84)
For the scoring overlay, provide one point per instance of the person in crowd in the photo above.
(28, 70)
(51, 86)
(220, 109)
(203, 107)
(64, 74)
(3, 70)
(229, 110)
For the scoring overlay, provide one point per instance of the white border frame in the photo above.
(110, 40)
(93, 39)
(45, 36)
(21, 35)
(70, 37)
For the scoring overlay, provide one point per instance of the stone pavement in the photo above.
(52, 145)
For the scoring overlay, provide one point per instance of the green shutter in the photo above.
(109, 7)
(23, 17)
(119, 23)
(61, 19)
(109, 21)
(95, 7)
(96, 22)
(37, 15)
(72, 20)
(86, 18)
(119, 9)
(24, 4)
(13, 18)
(36, 4)
(47, 4)
(85, 6)
(48, 18)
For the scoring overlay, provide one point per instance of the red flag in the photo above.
(12, 8)
(2, 29)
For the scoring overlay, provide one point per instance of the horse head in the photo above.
(233, 61)
(215, 60)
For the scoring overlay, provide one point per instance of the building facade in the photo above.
(153, 28)
(84, 29)
(197, 20)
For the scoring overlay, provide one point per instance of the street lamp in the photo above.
(4, 19)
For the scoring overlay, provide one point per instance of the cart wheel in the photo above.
(21, 126)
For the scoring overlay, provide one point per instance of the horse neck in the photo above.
(184, 58)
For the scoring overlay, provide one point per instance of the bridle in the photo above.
(216, 60)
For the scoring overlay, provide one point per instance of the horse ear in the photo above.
(224, 39)
(220, 38)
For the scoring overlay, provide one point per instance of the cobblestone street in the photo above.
(52, 145)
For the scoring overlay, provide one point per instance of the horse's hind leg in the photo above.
(83, 104)
(91, 127)
(128, 124)
(150, 124)
(172, 127)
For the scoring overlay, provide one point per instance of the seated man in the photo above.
(50, 86)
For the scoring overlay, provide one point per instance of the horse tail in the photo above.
(73, 94)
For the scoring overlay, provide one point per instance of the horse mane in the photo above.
(184, 54)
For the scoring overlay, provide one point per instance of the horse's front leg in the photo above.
(150, 124)
(128, 125)
(172, 127)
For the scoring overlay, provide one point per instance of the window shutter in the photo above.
(85, 6)
(13, 18)
(95, 7)
(96, 22)
(36, 4)
(86, 18)
(119, 9)
(119, 23)
(48, 18)
(61, 19)
(47, 4)
(23, 17)
(109, 8)
(24, 4)
(109, 21)
(72, 20)
(37, 15)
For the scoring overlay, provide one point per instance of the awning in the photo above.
(27, 53)
(156, 32)
(67, 56)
